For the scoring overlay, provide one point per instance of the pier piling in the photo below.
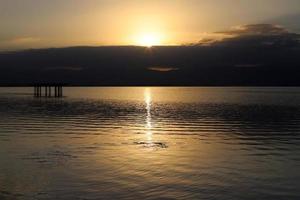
(47, 88)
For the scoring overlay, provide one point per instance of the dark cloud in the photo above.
(259, 35)
(253, 35)
(256, 29)
(292, 21)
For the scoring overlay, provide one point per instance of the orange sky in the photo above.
(55, 23)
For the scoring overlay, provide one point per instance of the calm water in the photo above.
(151, 143)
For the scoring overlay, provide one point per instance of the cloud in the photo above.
(206, 39)
(292, 21)
(163, 69)
(255, 29)
(24, 40)
(253, 35)
(19, 42)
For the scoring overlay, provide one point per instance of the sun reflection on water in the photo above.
(148, 102)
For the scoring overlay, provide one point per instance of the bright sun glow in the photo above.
(149, 40)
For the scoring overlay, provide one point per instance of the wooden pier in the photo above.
(48, 90)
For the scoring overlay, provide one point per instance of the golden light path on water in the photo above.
(148, 102)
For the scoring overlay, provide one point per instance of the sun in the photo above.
(149, 39)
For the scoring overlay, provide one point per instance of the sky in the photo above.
(60, 23)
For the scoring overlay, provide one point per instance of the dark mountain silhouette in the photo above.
(250, 55)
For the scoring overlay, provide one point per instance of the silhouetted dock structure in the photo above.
(48, 90)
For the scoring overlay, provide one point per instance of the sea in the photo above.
(151, 143)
